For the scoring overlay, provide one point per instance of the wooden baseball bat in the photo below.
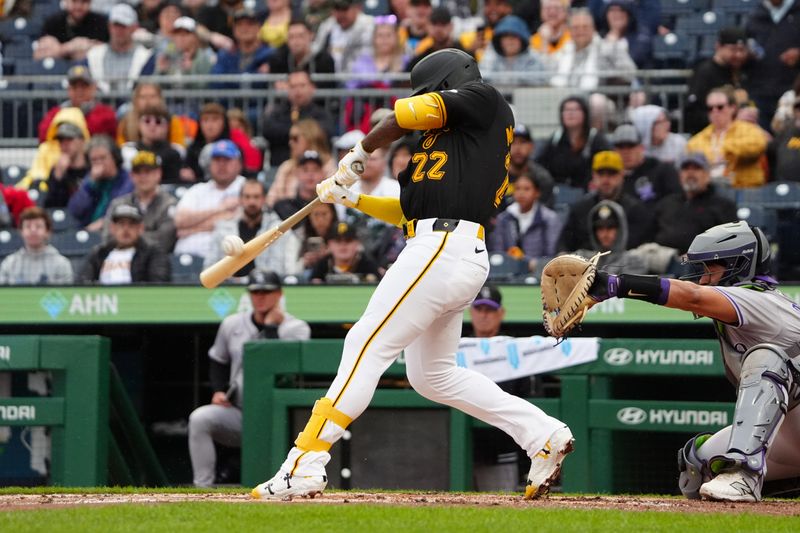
(228, 265)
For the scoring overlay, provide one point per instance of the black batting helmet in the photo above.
(446, 69)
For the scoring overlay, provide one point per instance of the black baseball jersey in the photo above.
(461, 170)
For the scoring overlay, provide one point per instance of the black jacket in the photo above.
(707, 75)
(148, 264)
(679, 220)
(276, 123)
(770, 77)
(652, 180)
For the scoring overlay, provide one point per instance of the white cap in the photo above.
(123, 14)
(348, 140)
(185, 23)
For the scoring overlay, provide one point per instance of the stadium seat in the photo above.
(673, 50)
(777, 195)
(736, 10)
(75, 243)
(45, 67)
(186, 269)
(12, 174)
(503, 267)
(18, 47)
(62, 220)
(376, 7)
(707, 48)
(758, 215)
(708, 23)
(10, 242)
(670, 8)
(566, 195)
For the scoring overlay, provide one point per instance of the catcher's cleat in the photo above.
(546, 463)
(284, 485)
(741, 485)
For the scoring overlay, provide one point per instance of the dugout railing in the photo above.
(283, 379)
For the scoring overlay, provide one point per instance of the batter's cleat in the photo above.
(284, 485)
(546, 463)
(741, 485)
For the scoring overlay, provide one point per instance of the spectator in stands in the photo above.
(415, 27)
(400, 155)
(725, 67)
(346, 142)
(440, 36)
(214, 126)
(386, 55)
(607, 184)
(37, 262)
(156, 205)
(346, 261)
(147, 12)
(81, 92)
(652, 123)
(346, 34)
(12, 203)
(304, 135)
(189, 56)
(49, 151)
(521, 161)
(773, 27)
(647, 13)
(681, 216)
(282, 255)
(584, 59)
(221, 420)
(148, 95)
(12, 9)
(646, 178)
(118, 64)
(249, 55)
(274, 31)
(319, 223)
(106, 180)
(206, 203)
(527, 230)
(608, 232)
(278, 119)
(70, 168)
(603, 113)
(310, 173)
(493, 12)
(296, 54)
(127, 258)
(72, 32)
(154, 137)
(622, 24)
(784, 114)
(784, 150)
(553, 34)
(509, 52)
(569, 151)
(733, 147)
(160, 38)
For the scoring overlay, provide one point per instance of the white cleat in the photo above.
(546, 463)
(284, 485)
(736, 486)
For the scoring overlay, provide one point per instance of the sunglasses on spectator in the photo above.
(718, 107)
(154, 120)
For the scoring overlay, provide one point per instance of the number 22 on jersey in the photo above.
(422, 170)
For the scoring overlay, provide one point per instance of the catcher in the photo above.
(759, 333)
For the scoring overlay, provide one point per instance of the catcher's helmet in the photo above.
(743, 249)
(446, 69)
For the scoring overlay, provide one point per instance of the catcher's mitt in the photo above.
(565, 284)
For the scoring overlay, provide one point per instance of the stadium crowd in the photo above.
(144, 192)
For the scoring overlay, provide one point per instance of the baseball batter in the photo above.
(759, 334)
(454, 182)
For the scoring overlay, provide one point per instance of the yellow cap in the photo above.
(145, 159)
(607, 160)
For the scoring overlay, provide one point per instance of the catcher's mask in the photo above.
(742, 249)
(446, 69)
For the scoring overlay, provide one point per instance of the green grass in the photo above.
(323, 518)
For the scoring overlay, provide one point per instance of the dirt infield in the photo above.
(10, 502)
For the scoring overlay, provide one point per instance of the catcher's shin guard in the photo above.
(694, 471)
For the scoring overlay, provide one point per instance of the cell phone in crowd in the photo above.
(315, 243)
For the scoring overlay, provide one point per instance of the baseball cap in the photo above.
(521, 130)
(310, 155)
(343, 231)
(68, 130)
(694, 158)
(79, 73)
(245, 13)
(123, 14)
(607, 160)
(145, 159)
(441, 15)
(488, 295)
(348, 140)
(225, 148)
(604, 216)
(185, 23)
(263, 280)
(626, 134)
(732, 35)
(131, 212)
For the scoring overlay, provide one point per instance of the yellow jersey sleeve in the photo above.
(421, 112)
(383, 208)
